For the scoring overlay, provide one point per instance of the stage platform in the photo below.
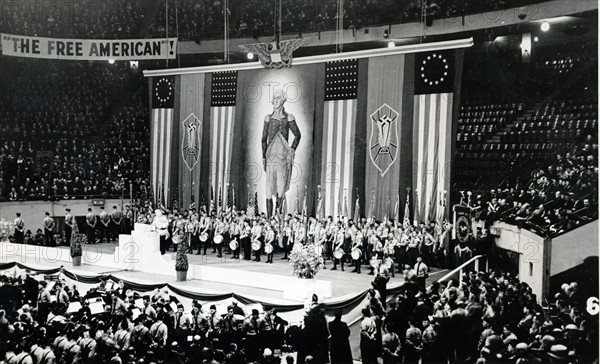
(270, 276)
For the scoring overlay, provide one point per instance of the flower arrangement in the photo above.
(77, 239)
(305, 261)
(181, 259)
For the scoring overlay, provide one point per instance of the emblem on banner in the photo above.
(190, 150)
(383, 145)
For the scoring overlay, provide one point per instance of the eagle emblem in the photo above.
(383, 145)
(192, 131)
(277, 54)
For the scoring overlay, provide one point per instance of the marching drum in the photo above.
(233, 245)
(356, 253)
(375, 262)
(203, 237)
(269, 248)
(256, 245)
(338, 253)
(388, 263)
(318, 249)
(218, 239)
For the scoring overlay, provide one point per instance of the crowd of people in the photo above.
(556, 199)
(196, 20)
(489, 317)
(67, 133)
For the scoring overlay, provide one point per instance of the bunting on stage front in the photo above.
(162, 104)
(339, 128)
(222, 112)
(432, 126)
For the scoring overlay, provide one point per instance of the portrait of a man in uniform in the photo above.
(277, 152)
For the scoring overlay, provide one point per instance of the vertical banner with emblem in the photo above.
(462, 223)
(385, 125)
(191, 111)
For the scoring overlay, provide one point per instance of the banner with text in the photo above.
(88, 49)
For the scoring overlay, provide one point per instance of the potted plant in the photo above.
(77, 239)
(181, 261)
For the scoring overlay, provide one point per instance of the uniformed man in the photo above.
(19, 229)
(204, 229)
(159, 331)
(160, 223)
(116, 218)
(278, 155)
(49, 230)
(251, 329)
(90, 220)
(339, 240)
(421, 272)
(69, 224)
(103, 227)
(269, 244)
(128, 221)
(257, 236)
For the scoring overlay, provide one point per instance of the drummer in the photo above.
(338, 246)
(356, 249)
(219, 230)
(235, 231)
(269, 241)
(256, 238)
(204, 233)
(245, 239)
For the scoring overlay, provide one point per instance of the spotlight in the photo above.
(545, 26)
(535, 39)
(391, 44)
(250, 56)
(111, 61)
(386, 34)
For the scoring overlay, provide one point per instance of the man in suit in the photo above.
(339, 343)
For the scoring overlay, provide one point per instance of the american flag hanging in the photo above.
(339, 128)
(222, 113)
(161, 130)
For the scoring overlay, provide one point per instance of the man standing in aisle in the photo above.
(19, 229)
(103, 226)
(49, 230)
(421, 272)
(115, 223)
(90, 220)
(69, 223)
(278, 155)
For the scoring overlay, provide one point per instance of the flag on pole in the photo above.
(229, 202)
(192, 197)
(220, 205)
(339, 130)
(387, 208)
(346, 215)
(304, 206)
(250, 206)
(256, 213)
(161, 129)
(234, 208)
(372, 204)
(319, 213)
(397, 207)
(357, 209)
(222, 113)
(212, 199)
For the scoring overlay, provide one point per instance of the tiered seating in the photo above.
(476, 123)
